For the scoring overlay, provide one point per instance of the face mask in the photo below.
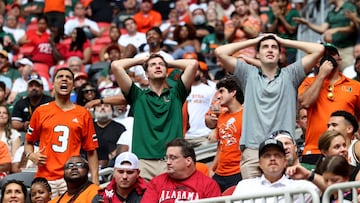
(199, 19)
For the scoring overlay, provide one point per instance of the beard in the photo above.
(81, 179)
(35, 94)
(103, 116)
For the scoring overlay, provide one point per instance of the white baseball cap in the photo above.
(127, 157)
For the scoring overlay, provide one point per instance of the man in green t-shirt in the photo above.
(157, 109)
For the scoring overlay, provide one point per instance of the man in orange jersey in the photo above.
(62, 129)
(323, 94)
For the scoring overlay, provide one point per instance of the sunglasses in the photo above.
(75, 165)
(330, 94)
(88, 90)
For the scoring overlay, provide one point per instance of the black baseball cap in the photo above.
(270, 143)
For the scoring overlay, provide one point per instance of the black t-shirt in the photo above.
(107, 138)
(23, 109)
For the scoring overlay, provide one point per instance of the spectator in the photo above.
(11, 26)
(156, 130)
(133, 36)
(212, 41)
(108, 132)
(181, 181)
(281, 113)
(289, 145)
(131, 7)
(282, 24)
(185, 36)
(5, 67)
(242, 26)
(25, 107)
(90, 27)
(128, 51)
(226, 163)
(254, 9)
(40, 190)
(25, 68)
(13, 190)
(199, 21)
(54, 12)
(301, 122)
(20, 162)
(7, 40)
(9, 136)
(79, 46)
(335, 169)
(147, 18)
(75, 64)
(126, 184)
(45, 50)
(272, 162)
(337, 29)
(323, 94)
(86, 93)
(228, 7)
(167, 28)
(67, 128)
(197, 104)
(31, 9)
(79, 188)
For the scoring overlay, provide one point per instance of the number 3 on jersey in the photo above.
(63, 138)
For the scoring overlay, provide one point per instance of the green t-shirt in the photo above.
(337, 19)
(157, 119)
(11, 73)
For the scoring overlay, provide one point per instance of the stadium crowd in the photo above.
(139, 85)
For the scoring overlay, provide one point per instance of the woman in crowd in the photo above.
(13, 191)
(335, 169)
(185, 36)
(87, 92)
(40, 190)
(9, 136)
(79, 46)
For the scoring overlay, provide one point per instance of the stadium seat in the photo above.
(229, 191)
(26, 50)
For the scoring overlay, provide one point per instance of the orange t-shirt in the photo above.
(54, 5)
(5, 157)
(145, 22)
(62, 134)
(86, 196)
(346, 97)
(228, 135)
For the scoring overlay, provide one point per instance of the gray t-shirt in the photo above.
(269, 105)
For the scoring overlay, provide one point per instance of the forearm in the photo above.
(311, 94)
(307, 47)
(231, 48)
(5, 167)
(28, 147)
(93, 166)
(272, 28)
(182, 64)
(18, 125)
(289, 28)
(316, 28)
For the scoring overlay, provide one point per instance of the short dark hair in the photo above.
(64, 68)
(146, 63)
(349, 117)
(267, 38)
(156, 29)
(230, 83)
(187, 149)
(127, 19)
(18, 182)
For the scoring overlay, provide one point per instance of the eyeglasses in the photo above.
(75, 165)
(330, 94)
(279, 132)
(171, 157)
(88, 90)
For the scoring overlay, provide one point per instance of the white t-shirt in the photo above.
(136, 40)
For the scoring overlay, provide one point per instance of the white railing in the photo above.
(286, 195)
(340, 188)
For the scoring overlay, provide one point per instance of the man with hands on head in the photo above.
(270, 91)
(157, 109)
